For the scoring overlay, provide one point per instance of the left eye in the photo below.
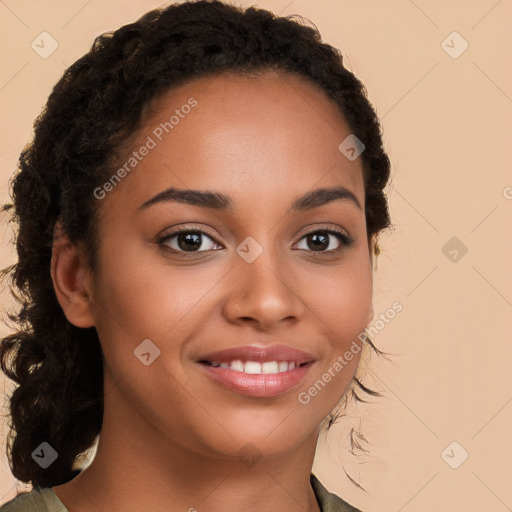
(320, 238)
(188, 240)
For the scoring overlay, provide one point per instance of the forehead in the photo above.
(244, 135)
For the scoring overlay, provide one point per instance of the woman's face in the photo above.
(246, 274)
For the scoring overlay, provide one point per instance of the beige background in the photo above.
(447, 126)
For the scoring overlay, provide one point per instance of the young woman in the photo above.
(197, 217)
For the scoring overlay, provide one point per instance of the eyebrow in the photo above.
(220, 201)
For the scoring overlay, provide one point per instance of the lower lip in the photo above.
(258, 385)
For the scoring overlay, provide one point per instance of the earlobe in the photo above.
(71, 281)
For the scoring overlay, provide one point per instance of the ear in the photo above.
(71, 280)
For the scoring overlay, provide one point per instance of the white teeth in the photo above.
(270, 367)
(253, 367)
(237, 365)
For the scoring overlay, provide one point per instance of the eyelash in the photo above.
(345, 240)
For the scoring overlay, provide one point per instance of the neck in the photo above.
(137, 467)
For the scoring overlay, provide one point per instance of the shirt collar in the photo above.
(328, 501)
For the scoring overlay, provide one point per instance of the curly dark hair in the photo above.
(92, 113)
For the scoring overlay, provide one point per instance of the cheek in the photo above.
(146, 299)
(343, 311)
(345, 303)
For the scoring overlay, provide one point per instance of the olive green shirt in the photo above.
(45, 500)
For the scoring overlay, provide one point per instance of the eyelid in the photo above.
(328, 228)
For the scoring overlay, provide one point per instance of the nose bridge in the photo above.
(258, 263)
(260, 288)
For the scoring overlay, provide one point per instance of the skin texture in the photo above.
(171, 435)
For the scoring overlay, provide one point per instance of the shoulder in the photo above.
(330, 502)
(25, 501)
(37, 500)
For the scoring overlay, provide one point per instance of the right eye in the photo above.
(186, 240)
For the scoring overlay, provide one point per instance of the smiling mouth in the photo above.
(259, 371)
(255, 367)
(257, 379)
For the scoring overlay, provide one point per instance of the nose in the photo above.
(264, 293)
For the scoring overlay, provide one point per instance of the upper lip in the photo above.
(260, 354)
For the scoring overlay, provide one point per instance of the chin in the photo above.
(275, 439)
